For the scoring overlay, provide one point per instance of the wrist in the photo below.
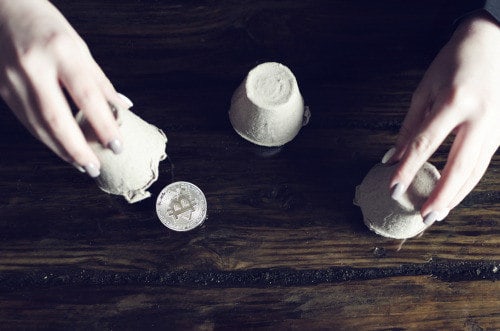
(479, 22)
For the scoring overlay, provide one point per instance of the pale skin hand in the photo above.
(40, 55)
(460, 94)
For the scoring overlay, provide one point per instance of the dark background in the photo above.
(283, 246)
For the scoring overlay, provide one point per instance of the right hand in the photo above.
(458, 94)
(41, 54)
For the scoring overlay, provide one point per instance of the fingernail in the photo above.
(127, 100)
(443, 215)
(78, 167)
(116, 146)
(397, 191)
(431, 218)
(92, 170)
(388, 155)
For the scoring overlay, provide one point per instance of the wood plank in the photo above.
(279, 220)
(218, 39)
(291, 210)
(399, 303)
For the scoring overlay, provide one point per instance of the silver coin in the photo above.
(181, 206)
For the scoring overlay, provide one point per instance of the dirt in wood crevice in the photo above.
(449, 271)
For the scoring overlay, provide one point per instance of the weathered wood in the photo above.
(283, 246)
(290, 210)
(392, 303)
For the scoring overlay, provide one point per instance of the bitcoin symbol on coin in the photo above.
(181, 206)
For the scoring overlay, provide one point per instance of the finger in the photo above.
(88, 97)
(23, 99)
(434, 129)
(61, 128)
(462, 159)
(108, 90)
(127, 101)
(476, 175)
(103, 81)
(420, 102)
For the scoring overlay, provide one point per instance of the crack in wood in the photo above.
(444, 270)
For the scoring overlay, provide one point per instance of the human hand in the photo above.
(41, 54)
(460, 94)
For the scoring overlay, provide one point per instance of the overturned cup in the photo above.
(133, 171)
(267, 109)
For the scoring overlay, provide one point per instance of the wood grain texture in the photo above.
(283, 246)
(420, 303)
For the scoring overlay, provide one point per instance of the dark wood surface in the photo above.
(283, 246)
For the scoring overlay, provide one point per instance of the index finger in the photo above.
(76, 74)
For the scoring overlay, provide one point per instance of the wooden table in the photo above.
(283, 247)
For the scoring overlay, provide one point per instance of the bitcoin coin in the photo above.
(181, 206)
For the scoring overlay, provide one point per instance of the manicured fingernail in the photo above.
(388, 155)
(431, 218)
(127, 100)
(92, 170)
(443, 215)
(397, 191)
(116, 146)
(79, 167)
